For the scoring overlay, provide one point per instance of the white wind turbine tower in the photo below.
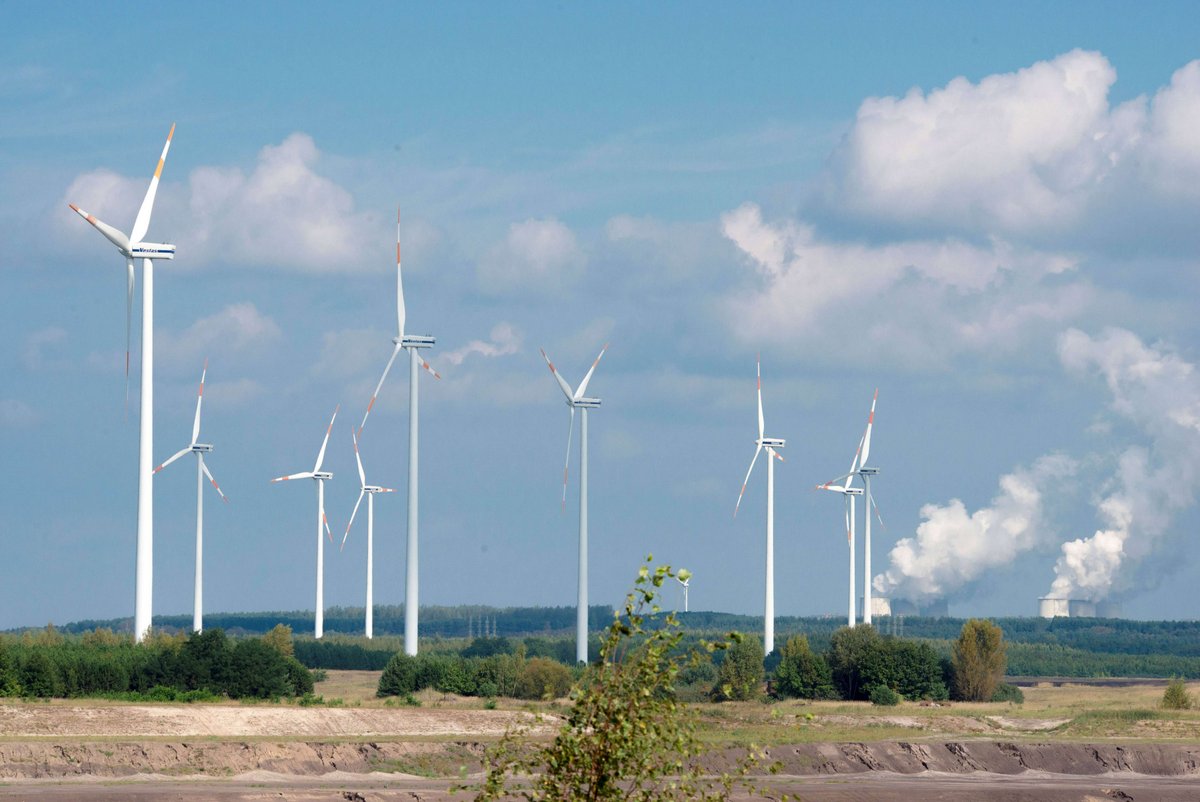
(320, 476)
(413, 342)
(199, 449)
(133, 247)
(771, 444)
(369, 491)
(869, 502)
(577, 400)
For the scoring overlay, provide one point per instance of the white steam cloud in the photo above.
(953, 549)
(1159, 392)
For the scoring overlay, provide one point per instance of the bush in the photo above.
(740, 675)
(258, 671)
(1008, 693)
(801, 673)
(1176, 697)
(399, 676)
(541, 678)
(857, 661)
(38, 675)
(884, 696)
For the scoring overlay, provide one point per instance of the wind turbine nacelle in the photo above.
(416, 341)
(322, 475)
(152, 250)
(373, 489)
(772, 442)
(586, 403)
(201, 447)
(853, 491)
(868, 471)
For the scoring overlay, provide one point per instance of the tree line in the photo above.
(163, 667)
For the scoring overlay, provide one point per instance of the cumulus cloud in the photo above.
(539, 256)
(281, 213)
(958, 295)
(1036, 151)
(238, 329)
(1159, 393)
(504, 340)
(954, 549)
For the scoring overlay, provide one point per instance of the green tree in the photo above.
(916, 670)
(627, 737)
(857, 661)
(979, 660)
(802, 674)
(9, 684)
(257, 671)
(740, 675)
(399, 676)
(39, 676)
(280, 639)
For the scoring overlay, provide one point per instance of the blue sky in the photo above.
(986, 212)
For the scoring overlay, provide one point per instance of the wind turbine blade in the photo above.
(588, 377)
(566, 388)
(378, 387)
(567, 461)
(361, 493)
(325, 442)
(325, 519)
(849, 501)
(303, 475)
(176, 456)
(128, 323)
(772, 452)
(877, 514)
(362, 477)
(199, 400)
(758, 371)
(830, 484)
(386, 490)
(213, 481)
(746, 481)
(142, 223)
(425, 365)
(866, 447)
(111, 234)
(400, 313)
(854, 464)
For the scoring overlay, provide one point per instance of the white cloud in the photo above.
(1040, 151)
(913, 300)
(282, 213)
(954, 549)
(538, 256)
(505, 340)
(238, 329)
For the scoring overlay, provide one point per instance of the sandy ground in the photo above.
(59, 721)
(878, 787)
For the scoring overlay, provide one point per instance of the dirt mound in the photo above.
(996, 757)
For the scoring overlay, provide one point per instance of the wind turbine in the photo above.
(320, 476)
(369, 491)
(199, 449)
(413, 342)
(857, 468)
(132, 247)
(771, 444)
(577, 400)
(685, 581)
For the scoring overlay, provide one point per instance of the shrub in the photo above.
(884, 696)
(1008, 693)
(259, 671)
(39, 676)
(1176, 697)
(857, 661)
(801, 673)
(740, 675)
(541, 678)
(399, 676)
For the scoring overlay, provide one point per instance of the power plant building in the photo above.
(1076, 608)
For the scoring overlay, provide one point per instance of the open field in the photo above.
(1066, 742)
